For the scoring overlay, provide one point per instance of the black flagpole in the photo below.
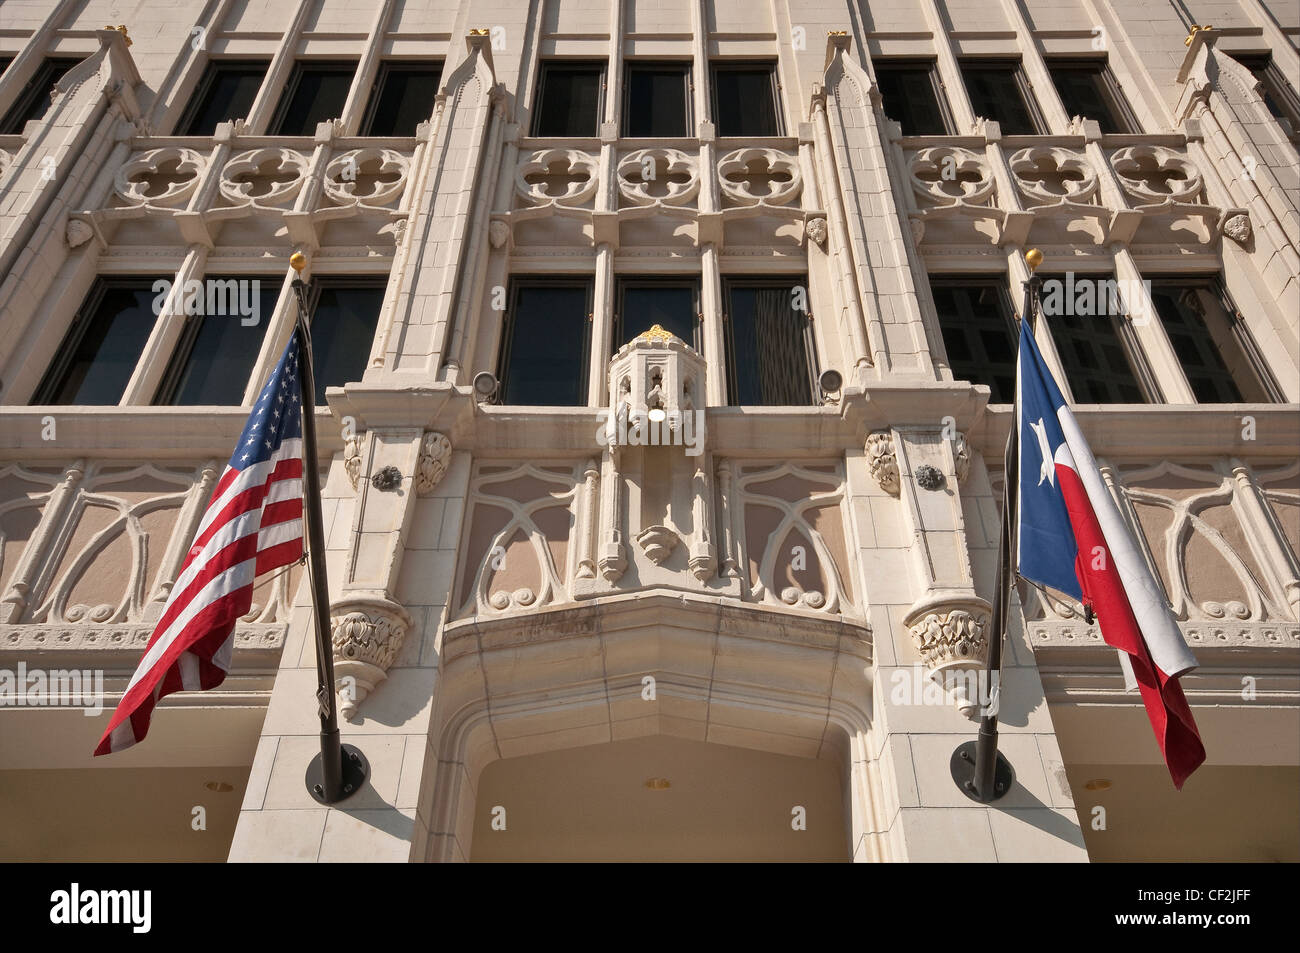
(983, 774)
(339, 770)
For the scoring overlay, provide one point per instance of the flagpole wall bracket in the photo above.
(355, 771)
(962, 765)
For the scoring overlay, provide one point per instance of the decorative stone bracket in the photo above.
(881, 460)
(367, 632)
(950, 630)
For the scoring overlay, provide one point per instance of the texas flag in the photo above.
(1072, 538)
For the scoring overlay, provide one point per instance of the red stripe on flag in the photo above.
(1167, 708)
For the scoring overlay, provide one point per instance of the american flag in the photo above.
(253, 524)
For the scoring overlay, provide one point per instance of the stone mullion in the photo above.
(949, 69)
(26, 578)
(367, 69)
(168, 326)
(602, 321)
(277, 74)
(1149, 332)
(1040, 78)
(1278, 562)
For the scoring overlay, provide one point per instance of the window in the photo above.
(643, 303)
(317, 91)
(546, 342)
(344, 317)
(569, 101)
(998, 90)
(34, 98)
(979, 332)
(1088, 324)
(1218, 354)
(402, 99)
(913, 96)
(1089, 89)
(4, 63)
(102, 347)
(225, 92)
(746, 99)
(1279, 95)
(657, 100)
(771, 358)
(217, 350)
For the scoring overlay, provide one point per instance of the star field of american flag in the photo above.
(253, 524)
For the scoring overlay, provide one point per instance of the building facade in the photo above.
(665, 357)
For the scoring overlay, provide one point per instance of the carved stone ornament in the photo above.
(366, 634)
(435, 454)
(881, 460)
(961, 457)
(78, 233)
(1237, 227)
(657, 542)
(498, 232)
(950, 631)
(389, 478)
(928, 477)
(352, 458)
(815, 229)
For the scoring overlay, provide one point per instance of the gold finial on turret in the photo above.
(120, 28)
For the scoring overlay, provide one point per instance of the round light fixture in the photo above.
(658, 784)
(657, 415)
(485, 385)
(831, 381)
(1098, 784)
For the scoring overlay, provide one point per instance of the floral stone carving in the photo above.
(950, 631)
(435, 455)
(366, 634)
(881, 460)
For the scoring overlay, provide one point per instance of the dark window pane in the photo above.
(910, 97)
(34, 98)
(546, 344)
(97, 358)
(343, 326)
(568, 100)
(671, 306)
(995, 93)
(226, 92)
(217, 353)
(976, 322)
(403, 99)
(1213, 346)
(769, 347)
(4, 63)
(1083, 313)
(657, 101)
(316, 92)
(745, 101)
(1087, 90)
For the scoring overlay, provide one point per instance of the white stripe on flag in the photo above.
(1145, 595)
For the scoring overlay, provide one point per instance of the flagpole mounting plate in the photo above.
(355, 771)
(962, 765)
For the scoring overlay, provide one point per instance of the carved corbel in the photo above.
(881, 460)
(367, 632)
(435, 455)
(950, 630)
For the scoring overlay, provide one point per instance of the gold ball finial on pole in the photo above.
(1033, 258)
(298, 261)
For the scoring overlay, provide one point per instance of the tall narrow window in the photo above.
(1088, 89)
(546, 342)
(642, 303)
(102, 347)
(1279, 95)
(657, 100)
(1217, 352)
(1088, 324)
(219, 346)
(344, 316)
(746, 100)
(226, 92)
(913, 96)
(316, 92)
(4, 63)
(771, 358)
(402, 99)
(34, 98)
(978, 329)
(998, 90)
(569, 101)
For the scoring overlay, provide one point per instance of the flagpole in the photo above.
(339, 770)
(984, 774)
